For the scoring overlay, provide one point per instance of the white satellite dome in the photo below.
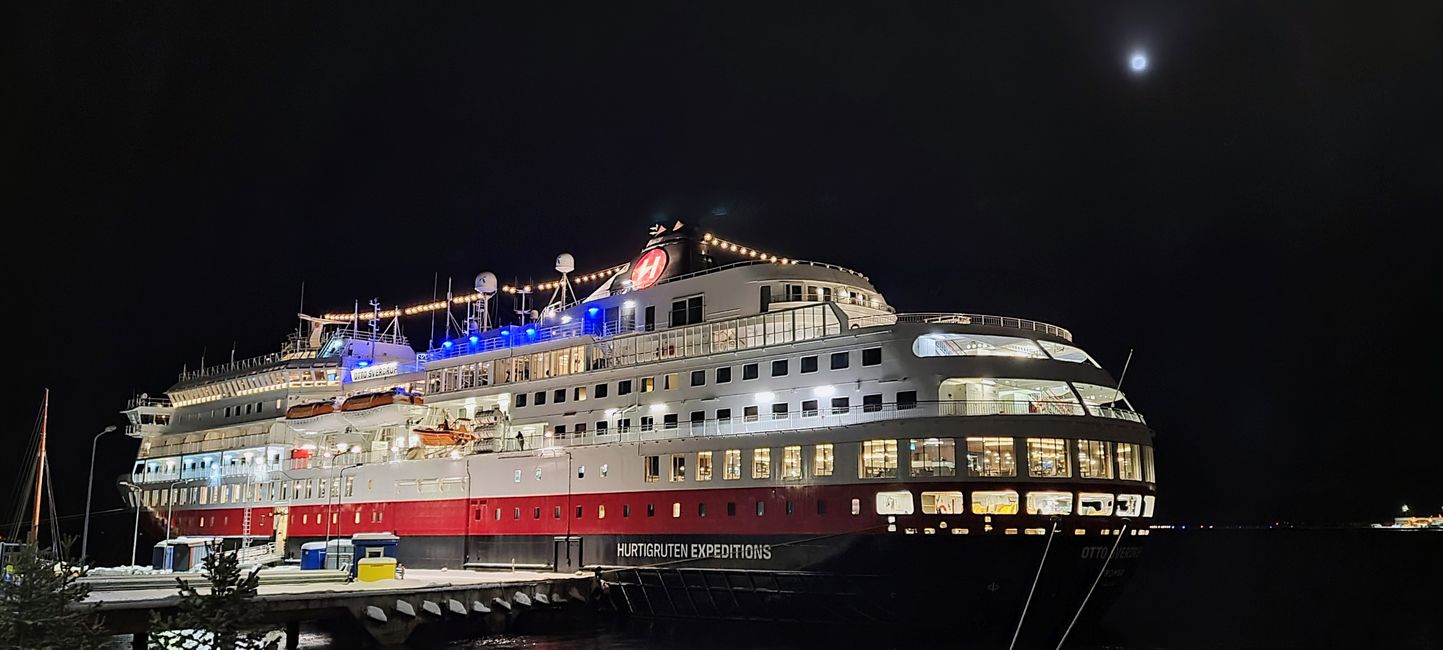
(565, 263)
(486, 283)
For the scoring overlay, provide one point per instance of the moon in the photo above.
(1138, 62)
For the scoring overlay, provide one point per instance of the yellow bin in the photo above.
(371, 569)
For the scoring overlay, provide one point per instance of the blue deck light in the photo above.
(593, 311)
(505, 332)
(446, 344)
(474, 339)
(531, 331)
(363, 364)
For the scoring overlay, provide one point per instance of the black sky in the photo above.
(1256, 215)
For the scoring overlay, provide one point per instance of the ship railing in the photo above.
(138, 402)
(828, 417)
(962, 319)
(342, 460)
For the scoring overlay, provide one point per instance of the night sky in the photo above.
(1255, 214)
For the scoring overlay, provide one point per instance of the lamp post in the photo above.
(170, 506)
(135, 537)
(89, 489)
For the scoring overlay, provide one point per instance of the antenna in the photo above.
(479, 317)
(1117, 392)
(565, 264)
(435, 280)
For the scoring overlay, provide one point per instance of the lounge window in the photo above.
(723, 375)
(762, 463)
(809, 364)
(975, 345)
(943, 503)
(1095, 504)
(878, 459)
(1129, 505)
(991, 457)
(1065, 352)
(792, 462)
(779, 368)
(933, 457)
(678, 467)
(994, 502)
(872, 357)
(841, 360)
(653, 468)
(1106, 402)
(749, 371)
(578, 394)
(894, 503)
(1047, 458)
(822, 460)
(731, 464)
(1093, 459)
(698, 378)
(1129, 461)
(1049, 503)
(703, 466)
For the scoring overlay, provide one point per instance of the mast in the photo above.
(39, 470)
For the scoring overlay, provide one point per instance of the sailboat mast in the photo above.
(40, 470)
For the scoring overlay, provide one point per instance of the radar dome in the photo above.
(486, 283)
(565, 263)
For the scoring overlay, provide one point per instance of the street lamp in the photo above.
(90, 488)
(135, 537)
(170, 497)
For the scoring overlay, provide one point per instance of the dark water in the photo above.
(1272, 589)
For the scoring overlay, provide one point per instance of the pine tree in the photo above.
(40, 605)
(220, 619)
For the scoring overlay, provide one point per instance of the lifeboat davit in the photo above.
(365, 401)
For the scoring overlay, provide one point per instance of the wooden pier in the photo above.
(388, 611)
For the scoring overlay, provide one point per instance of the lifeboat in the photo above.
(450, 432)
(302, 411)
(365, 401)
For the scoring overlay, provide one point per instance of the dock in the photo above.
(388, 611)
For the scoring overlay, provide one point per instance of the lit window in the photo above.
(894, 503)
(792, 462)
(1106, 401)
(1065, 352)
(1148, 502)
(732, 464)
(675, 510)
(669, 381)
(994, 502)
(1095, 504)
(1149, 471)
(761, 463)
(975, 345)
(991, 457)
(648, 384)
(822, 460)
(1129, 461)
(678, 467)
(1092, 459)
(578, 393)
(942, 503)
(933, 457)
(653, 468)
(879, 459)
(1129, 505)
(1003, 396)
(1047, 458)
(601, 511)
(856, 507)
(1049, 503)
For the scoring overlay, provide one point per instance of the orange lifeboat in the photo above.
(302, 411)
(450, 432)
(365, 401)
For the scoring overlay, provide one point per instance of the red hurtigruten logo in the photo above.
(648, 269)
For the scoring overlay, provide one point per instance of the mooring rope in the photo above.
(1051, 531)
(1120, 532)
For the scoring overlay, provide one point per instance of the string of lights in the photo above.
(744, 250)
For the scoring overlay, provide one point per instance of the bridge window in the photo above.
(878, 459)
(1094, 504)
(975, 345)
(1049, 503)
(943, 503)
(994, 502)
(1093, 460)
(894, 503)
(1002, 396)
(1047, 458)
(991, 457)
(933, 457)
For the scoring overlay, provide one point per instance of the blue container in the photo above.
(372, 545)
(313, 556)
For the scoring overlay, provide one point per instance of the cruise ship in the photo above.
(716, 431)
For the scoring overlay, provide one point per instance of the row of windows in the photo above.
(753, 413)
(671, 381)
(984, 457)
(266, 491)
(1008, 502)
(702, 510)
